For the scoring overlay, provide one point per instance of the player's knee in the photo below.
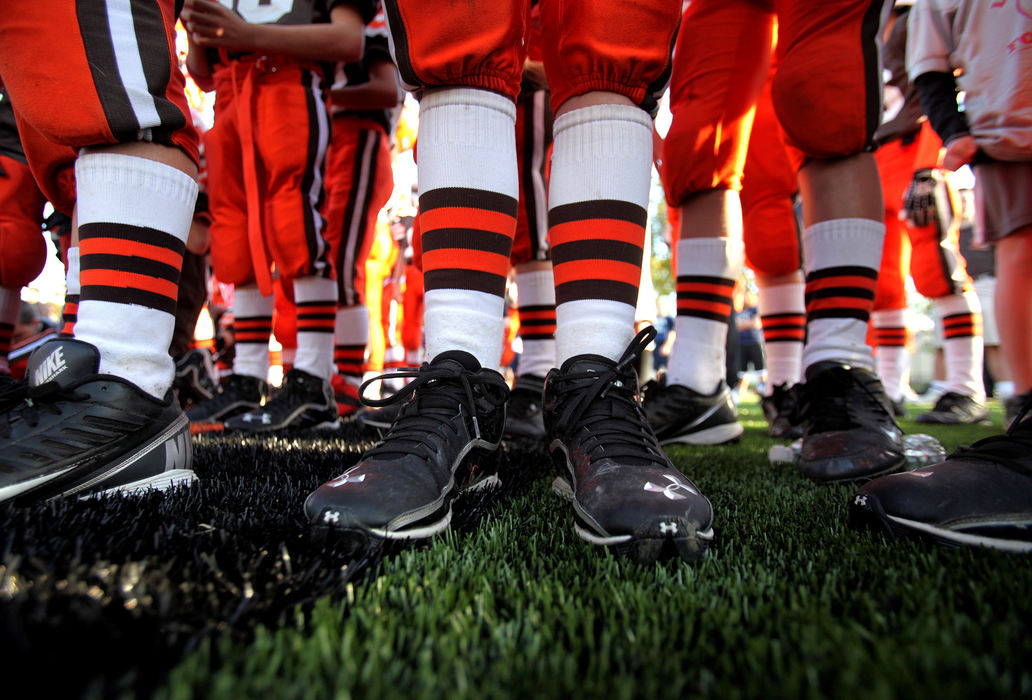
(692, 164)
(24, 255)
(819, 120)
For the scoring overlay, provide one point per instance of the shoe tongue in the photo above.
(597, 364)
(62, 361)
(461, 357)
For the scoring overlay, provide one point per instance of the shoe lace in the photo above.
(27, 403)
(608, 410)
(433, 395)
(830, 406)
(1010, 449)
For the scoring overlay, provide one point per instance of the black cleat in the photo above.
(236, 394)
(194, 380)
(953, 408)
(679, 414)
(849, 433)
(781, 411)
(303, 401)
(523, 413)
(77, 432)
(980, 496)
(443, 442)
(626, 493)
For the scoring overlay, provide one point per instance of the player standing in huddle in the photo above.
(266, 157)
(102, 415)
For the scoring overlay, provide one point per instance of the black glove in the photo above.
(919, 205)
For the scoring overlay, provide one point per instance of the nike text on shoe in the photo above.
(953, 408)
(980, 496)
(303, 401)
(236, 394)
(679, 414)
(443, 442)
(849, 433)
(523, 416)
(626, 493)
(780, 410)
(83, 433)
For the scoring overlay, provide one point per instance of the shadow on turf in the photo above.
(105, 595)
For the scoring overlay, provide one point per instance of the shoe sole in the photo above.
(873, 515)
(717, 435)
(664, 539)
(862, 479)
(169, 453)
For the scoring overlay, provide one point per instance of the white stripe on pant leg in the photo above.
(130, 65)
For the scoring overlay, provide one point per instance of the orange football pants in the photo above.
(21, 212)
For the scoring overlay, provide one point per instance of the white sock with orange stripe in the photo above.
(963, 344)
(597, 210)
(469, 195)
(784, 332)
(252, 328)
(536, 296)
(707, 269)
(134, 216)
(841, 258)
(891, 359)
(316, 299)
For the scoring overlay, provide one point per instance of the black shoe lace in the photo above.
(608, 409)
(1011, 449)
(29, 402)
(829, 406)
(433, 395)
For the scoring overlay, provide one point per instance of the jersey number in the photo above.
(263, 11)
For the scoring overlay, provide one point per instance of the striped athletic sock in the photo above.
(316, 299)
(71, 303)
(598, 195)
(351, 339)
(841, 257)
(134, 216)
(536, 290)
(783, 316)
(890, 358)
(707, 269)
(467, 218)
(963, 344)
(10, 306)
(252, 328)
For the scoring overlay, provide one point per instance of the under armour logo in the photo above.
(671, 489)
(265, 418)
(346, 479)
(331, 517)
(860, 500)
(668, 528)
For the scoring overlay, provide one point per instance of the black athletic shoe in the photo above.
(303, 401)
(979, 496)
(523, 413)
(953, 408)
(1012, 406)
(679, 414)
(80, 432)
(626, 493)
(443, 442)
(194, 381)
(379, 417)
(849, 433)
(781, 411)
(236, 394)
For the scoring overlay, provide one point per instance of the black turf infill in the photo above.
(114, 590)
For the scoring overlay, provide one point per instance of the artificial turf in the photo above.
(223, 591)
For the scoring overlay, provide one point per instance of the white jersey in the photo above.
(989, 43)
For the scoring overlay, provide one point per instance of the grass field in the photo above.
(222, 591)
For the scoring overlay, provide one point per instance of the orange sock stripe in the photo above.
(784, 335)
(466, 238)
(840, 292)
(701, 296)
(891, 337)
(132, 249)
(963, 325)
(127, 281)
(253, 329)
(127, 264)
(316, 316)
(69, 315)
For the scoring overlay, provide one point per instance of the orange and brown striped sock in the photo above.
(134, 215)
(252, 328)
